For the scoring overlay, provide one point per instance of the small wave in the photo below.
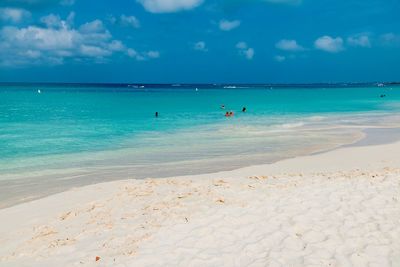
(317, 118)
(292, 125)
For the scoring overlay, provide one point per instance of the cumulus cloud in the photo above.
(390, 39)
(132, 53)
(241, 45)
(280, 58)
(116, 46)
(329, 44)
(95, 26)
(289, 45)
(94, 51)
(200, 46)
(35, 3)
(245, 50)
(169, 6)
(59, 41)
(124, 20)
(153, 54)
(55, 21)
(226, 25)
(129, 21)
(52, 21)
(249, 53)
(67, 2)
(360, 40)
(13, 15)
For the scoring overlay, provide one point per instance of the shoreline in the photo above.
(370, 136)
(333, 208)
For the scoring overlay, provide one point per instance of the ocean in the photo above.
(57, 136)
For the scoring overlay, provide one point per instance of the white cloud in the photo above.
(169, 6)
(280, 58)
(14, 15)
(153, 54)
(52, 21)
(226, 25)
(95, 26)
(143, 55)
(55, 21)
(59, 41)
(32, 54)
(241, 45)
(36, 3)
(245, 50)
(359, 40)
(131, 53)
(289, 45)
(200, 46)
(112, 19)
(67, 2)
(249, 53)
(116, 45)
(329, 44)
(124, 20)
(129, 21)
(390, 39)
(94, 51)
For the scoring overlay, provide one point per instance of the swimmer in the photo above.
(227, 114)
(156, 115)
(244, 109)
(222, 106)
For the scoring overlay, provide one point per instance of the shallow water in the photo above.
(69, 135)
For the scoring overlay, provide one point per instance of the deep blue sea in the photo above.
(61, 135)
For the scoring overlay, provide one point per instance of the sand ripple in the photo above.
(347, 218)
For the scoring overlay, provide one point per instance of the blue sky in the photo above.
(199, 41)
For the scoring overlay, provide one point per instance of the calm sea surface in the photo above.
(53, 137)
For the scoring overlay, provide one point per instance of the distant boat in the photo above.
(39, 92)
(381, 85)
(230, 87)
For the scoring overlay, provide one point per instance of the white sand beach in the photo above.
(339, 208)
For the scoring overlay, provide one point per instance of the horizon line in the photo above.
(199, 84)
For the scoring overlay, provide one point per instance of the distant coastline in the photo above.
(207, 85)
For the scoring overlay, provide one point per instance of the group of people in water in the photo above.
(231, 113)
(227, 114)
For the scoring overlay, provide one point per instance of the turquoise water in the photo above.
(80, 130)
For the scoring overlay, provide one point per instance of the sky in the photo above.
(199, 41)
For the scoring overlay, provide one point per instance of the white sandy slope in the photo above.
(340, 208)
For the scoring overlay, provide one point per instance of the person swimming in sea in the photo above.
(244, 109)
(156, 115)
(229, 114)
(222, 106)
